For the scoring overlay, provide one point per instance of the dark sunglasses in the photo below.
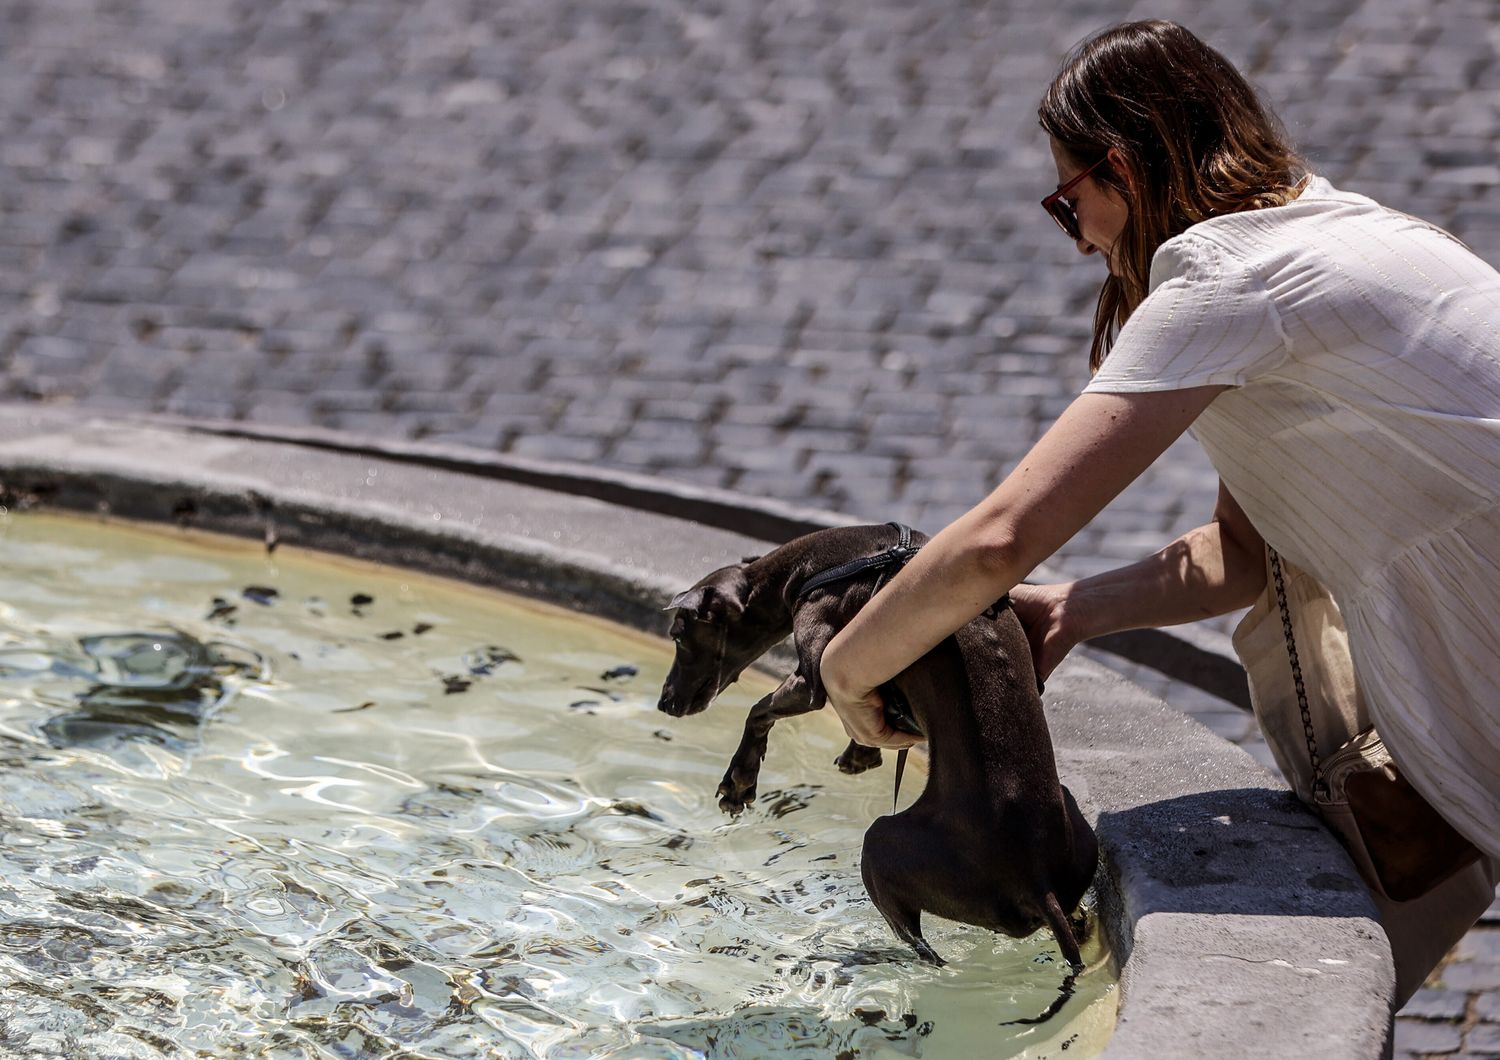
(1062, 210)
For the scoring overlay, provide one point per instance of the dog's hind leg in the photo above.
(856, 758)
(737, 790)
(1062, 927)
(905, 922)
(1067, 941)
(902, 916)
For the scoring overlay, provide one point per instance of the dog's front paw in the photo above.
(737, 789)
(857, 758)
(734, 797)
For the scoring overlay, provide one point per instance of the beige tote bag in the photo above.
(1423, 930)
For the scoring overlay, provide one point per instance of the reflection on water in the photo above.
(288, 805)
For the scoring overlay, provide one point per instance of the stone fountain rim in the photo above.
(1244, 929)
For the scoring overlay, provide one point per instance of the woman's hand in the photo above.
(1042, 610)
(863, 713)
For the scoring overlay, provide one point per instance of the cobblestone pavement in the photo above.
(784, 247)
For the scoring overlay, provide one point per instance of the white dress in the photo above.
(1362, 439)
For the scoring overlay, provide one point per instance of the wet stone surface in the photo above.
(789, 250)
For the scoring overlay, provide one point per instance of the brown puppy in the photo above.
(995, 840)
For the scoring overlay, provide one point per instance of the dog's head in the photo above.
(710, 653)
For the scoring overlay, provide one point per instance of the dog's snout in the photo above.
(680, 704)
(669, 705)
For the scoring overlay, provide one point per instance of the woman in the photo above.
(1339, 362)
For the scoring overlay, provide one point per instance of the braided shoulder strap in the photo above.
(1319, 785)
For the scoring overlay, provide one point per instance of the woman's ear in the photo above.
(1121, 166)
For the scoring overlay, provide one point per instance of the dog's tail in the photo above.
(1063, 929)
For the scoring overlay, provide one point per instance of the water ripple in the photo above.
(424, 821)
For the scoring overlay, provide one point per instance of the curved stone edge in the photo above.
(1241, 926)
(1248, 932)
(1199, 657)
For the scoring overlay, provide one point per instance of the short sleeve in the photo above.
(1208, 319)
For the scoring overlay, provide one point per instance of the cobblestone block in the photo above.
(654, 455)
(329, 401)
(909, 448)
(772, 484)
(766, 458)
(269, 408)
(1471, 975)
(141, 373)
(424, 401)
(1487, 1007)
(206, 407)
(577, 421)
(868, 497)
(857, 465)
(381, 425)
(51, 356)
(1480, 946)
(1483, 1040)
(559, 447)
(754, 413)
(732, 438)
(676, 410)
(1432, 1004)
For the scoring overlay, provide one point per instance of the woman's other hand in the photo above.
(1042, 610)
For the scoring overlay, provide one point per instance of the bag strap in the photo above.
(1319, 784)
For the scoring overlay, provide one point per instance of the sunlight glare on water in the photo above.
(294, 805)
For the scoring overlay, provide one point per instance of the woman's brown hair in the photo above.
(1193, 137)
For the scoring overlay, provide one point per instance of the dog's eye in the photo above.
(679, 627)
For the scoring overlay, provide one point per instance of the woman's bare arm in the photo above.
(1210, 570)
(1099, 445)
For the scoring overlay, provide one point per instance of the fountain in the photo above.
(1236, 925)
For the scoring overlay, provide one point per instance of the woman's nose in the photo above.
(1085, 247)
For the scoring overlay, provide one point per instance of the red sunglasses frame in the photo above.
(1061, 210)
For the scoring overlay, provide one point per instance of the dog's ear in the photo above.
(688, 599)
(747, 560)
(731, 592)
(718, 598)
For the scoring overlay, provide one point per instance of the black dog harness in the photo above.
(887, 563)
(898, 714)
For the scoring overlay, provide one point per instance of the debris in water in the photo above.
(633, 809)
(260, 594)
(483, 661)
